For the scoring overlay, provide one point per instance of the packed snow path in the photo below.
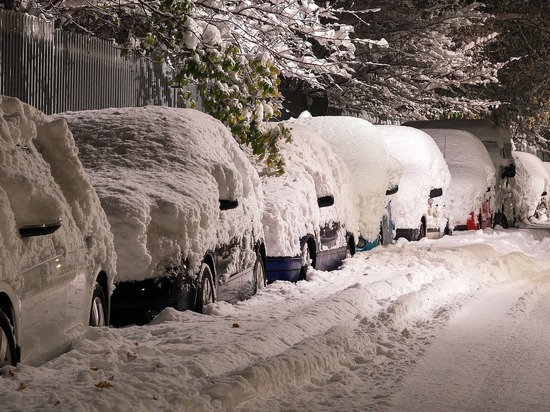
(449, 324)
(492, 356)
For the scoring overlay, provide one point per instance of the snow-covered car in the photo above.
(57, 259)
(531, 186)
(309, 217)
(374, 173)
(421, 206)
(184, 203)
(498, 142)
(472, 178)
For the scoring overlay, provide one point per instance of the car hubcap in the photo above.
(5, 355)
(97, 317)
(260, 275)
(206, 291)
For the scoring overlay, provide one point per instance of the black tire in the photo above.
(8, 354)
(98, 309)
(260, 277)
(205, 290)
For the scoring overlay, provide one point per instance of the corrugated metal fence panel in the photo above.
(58, 71)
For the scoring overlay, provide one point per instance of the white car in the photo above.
(531, 186)
(184, 203)
(374, 173)
(421, 206)
(309, 217)
(498, 142)
(473, 178)
(57, 258)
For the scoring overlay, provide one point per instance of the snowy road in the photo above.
(453, 324)
(492, 356)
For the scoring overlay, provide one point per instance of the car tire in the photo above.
(205, 290)
(8, 355)
(259, 273)
(98, 309)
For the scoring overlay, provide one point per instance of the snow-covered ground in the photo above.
(458, 323)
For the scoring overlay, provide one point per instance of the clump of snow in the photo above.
(41, 182)
(312, 170)
(472, 171)
(160, 173)
(531, 181)
(372, 170)
(424, 169)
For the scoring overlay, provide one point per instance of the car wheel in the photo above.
(306, 261)
(205, 293)
(259, 273)
(7, 342)
(98, 311)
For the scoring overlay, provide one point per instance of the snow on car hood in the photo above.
(424, 168)
(531, 180)
(472, 171)
(312, 170)
(372, 170)
(160, 173)
(33, 148)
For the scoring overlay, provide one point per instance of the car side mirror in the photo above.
(39, 230)
(392, 190)
(227, 204)
(325, 201)
(544, 193)
(436, 192)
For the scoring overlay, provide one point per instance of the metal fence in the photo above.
(57, 71)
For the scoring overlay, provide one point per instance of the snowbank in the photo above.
(424, 169)
(472, 171)
(372, 170)
(312, 170)
(160, 173)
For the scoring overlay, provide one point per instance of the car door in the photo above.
(37, 205)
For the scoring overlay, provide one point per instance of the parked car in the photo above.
(472, 178)
(57, 258)
(374, 173)
(309, 216)
(498, 142)
(531, 186)
(184, 203)
(421, 207)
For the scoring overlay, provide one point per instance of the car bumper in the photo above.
(139, 302)
(283, 268)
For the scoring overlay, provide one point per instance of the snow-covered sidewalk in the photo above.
(345, 340)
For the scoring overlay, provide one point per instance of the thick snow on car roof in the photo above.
(497, 139)
(33, 148)
(373, 170)
(424, 168)
(471, 167)
(531, 180)
(160, 173)
(312, 170)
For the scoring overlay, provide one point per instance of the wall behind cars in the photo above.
(58, 71)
